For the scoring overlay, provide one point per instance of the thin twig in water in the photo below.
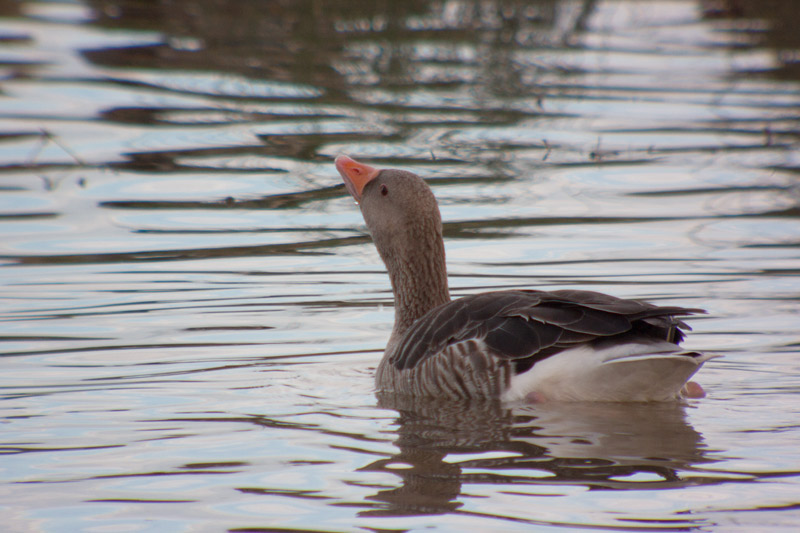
(596, 154)
(50, 137)
(46, 137)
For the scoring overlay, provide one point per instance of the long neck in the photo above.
(419, 282)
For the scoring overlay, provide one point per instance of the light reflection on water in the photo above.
(191, 311)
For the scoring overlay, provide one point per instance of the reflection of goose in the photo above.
(631, 433)
(445, 445)
(514, 345)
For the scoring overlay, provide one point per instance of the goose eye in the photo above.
(384, 190)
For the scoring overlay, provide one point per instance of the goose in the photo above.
(508, 345)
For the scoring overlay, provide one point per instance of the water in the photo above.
(192, 312)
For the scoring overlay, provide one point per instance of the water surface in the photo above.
(192, 310)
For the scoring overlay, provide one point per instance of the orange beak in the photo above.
(355, 175)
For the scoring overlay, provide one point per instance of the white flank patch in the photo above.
(623, 373)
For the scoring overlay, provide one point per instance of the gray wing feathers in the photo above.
(526, 326)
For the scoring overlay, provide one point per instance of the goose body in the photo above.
(518, 345)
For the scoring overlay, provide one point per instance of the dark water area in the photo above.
(191, 310)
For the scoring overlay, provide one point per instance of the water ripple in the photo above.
(191, 310)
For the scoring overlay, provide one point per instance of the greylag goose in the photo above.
(512, 345)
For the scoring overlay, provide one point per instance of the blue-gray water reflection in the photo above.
(191, 309)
